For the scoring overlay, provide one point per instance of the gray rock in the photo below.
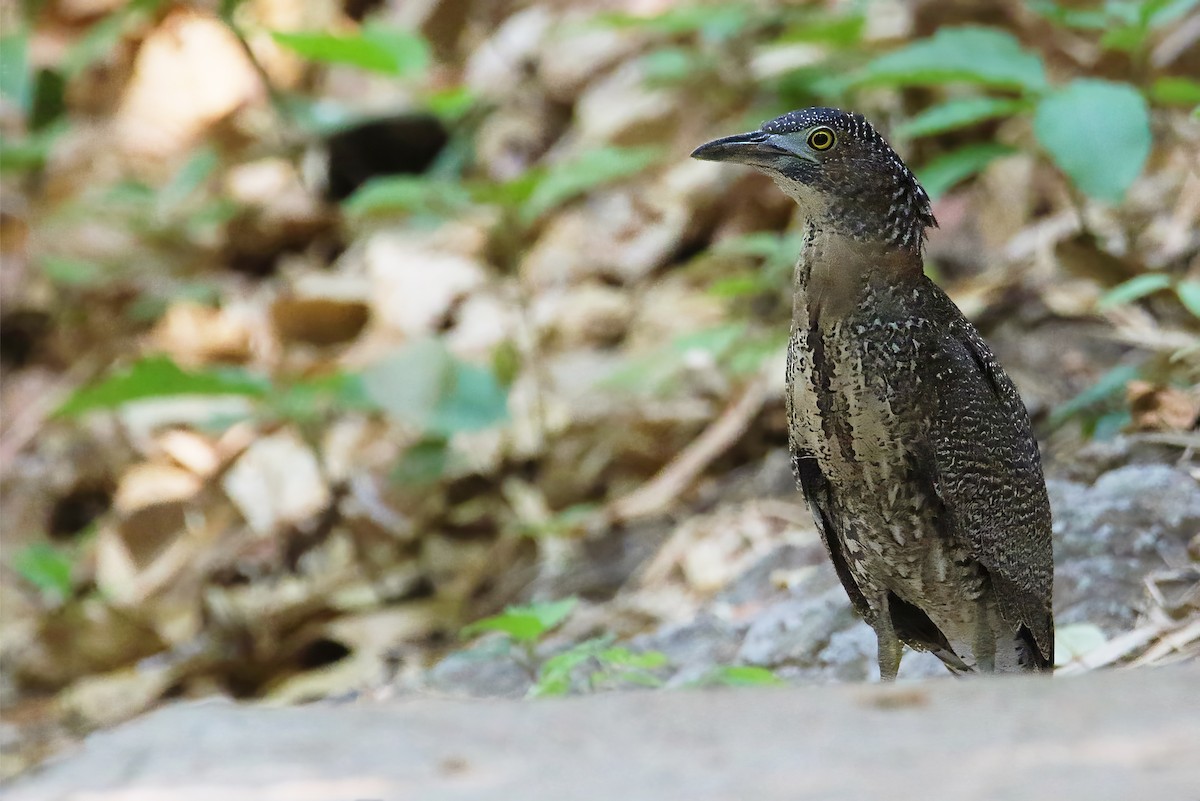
(480, 672)
(1108, 537)
(1109, 736)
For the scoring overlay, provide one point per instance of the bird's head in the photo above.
(839, 169)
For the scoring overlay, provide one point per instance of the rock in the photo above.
(1114, 736)
(696, 648)
(1108, 537)
(479, 672)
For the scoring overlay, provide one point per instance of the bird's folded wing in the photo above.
(987, 472)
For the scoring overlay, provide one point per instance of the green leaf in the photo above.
(954, 114)
(1133, 289)
(941, 174)
(102, 37)
(423, 463)
(71, 272)
(451, 103)
(670, 64)
(425, 386)
(525, 623)
(376, 48)
(156, 377)
(475, 401)
(738, 286)
(1082, 19)
(1175, 91)
(187, 180)
(969, 54)
(46, 568)
(395, 193)
(742, 676)
(821, 28)
(1098, 133)
(1108, 385)
(15, 80)
(583, 173)
(1188, 291)
(714, 22)
(29, 152)
(624, 658)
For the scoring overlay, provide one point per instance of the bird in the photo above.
(909, 442)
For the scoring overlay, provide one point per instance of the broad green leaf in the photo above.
(409, 384)
(425, 386)
(157, 377)
(475, 401)
(29, 152)
(1098, 133)
(423, 463)
(1082, 19)
(525, 623)
(941, 174)
(46, 568)
(1133, 289)
(969, 54)
(624, 658)
(15, 80)
(589, 170)
(451, 103)
(736, 287)
(955, 114)
(840, 31)
(742, 676)
(1174, 91)
(670, 64)
(71, 272)
(407, 193)
(376, 48)
(1188, 291)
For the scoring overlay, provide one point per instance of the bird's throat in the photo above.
(834, 272)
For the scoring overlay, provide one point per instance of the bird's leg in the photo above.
(985, 639)
(890, 647)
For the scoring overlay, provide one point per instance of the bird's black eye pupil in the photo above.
(820, 139)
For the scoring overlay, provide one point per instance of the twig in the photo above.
(669, 483)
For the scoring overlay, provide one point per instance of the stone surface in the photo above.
(1109, 536)
(788, 612)
(1104, 737)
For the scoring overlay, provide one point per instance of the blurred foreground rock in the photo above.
(1118, 736)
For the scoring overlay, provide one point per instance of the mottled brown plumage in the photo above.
(910, 443)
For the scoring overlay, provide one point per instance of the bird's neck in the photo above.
(835, 270)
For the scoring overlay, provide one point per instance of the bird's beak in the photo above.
(755, 147)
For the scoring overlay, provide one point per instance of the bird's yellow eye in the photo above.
(821, 139)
